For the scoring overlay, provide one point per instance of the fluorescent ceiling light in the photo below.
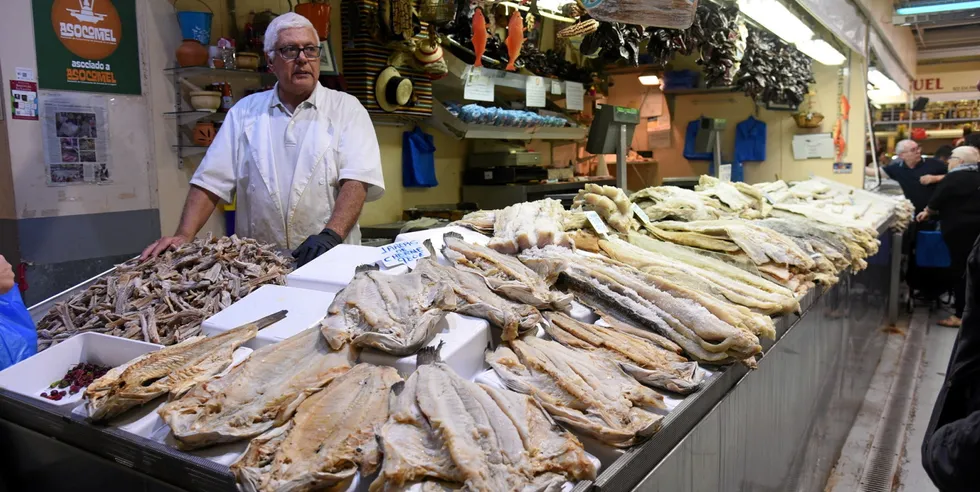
(936, 8)
(772, 15)
(649, 80)
(821, 51)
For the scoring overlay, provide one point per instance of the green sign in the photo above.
(87, 45)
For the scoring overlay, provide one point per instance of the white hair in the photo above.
(900, 147)
(289, 20)
(967, 154)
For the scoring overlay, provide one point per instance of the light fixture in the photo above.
(774, 16)
(821, 51)
(884, 90)
(649, 79)
(936, 8)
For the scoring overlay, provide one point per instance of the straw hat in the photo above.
(392, 90)
(428, 53)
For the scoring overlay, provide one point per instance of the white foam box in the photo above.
(465, 339)
(33, 376)
(435, 235)
(305, 309)
(333, 270)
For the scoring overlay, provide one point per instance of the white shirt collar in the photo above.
(310, 101)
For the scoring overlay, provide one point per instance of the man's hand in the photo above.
(6, 276)
(922, 217)
(162, 244)
(315, 246)
(930, 179)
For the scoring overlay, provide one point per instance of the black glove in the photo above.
(315, 246)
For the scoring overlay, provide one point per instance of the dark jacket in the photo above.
(951, 448)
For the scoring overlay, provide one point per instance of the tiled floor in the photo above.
(939, 346)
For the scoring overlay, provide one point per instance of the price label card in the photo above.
(556, 87)
(536, 92)
(597, 223)
(403, 253)
(479, 86)
(768, 197)
(640, 214)
(725, 173)
(575, 96)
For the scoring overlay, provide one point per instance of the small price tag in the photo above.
(640, 214)
(535, 90)
(403, 253)
(597, 223)
(556, 87)
(768, 198)
(479, 86)
(725, 173)
(575, 97)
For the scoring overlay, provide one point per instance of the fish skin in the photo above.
(505, 274)
(331, 437)
(259, 394)
(397, 314)
(515, 39)
(174, 370)
(479, 36)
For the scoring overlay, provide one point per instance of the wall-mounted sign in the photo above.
(937, 83)
(23, 100)
(87, 45)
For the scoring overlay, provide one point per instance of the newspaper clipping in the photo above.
(76, 134)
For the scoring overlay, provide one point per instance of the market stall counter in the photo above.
(778, 426)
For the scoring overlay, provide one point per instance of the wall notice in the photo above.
(87, 45)
(75, 129)
(23, 100)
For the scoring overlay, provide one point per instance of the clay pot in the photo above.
(247, 61)
(205, 100)
(204, 133)
(191, 53)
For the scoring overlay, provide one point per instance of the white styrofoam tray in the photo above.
(32, 376)
(333, 270)
(466, 338)
(305, 308)
(435, 235)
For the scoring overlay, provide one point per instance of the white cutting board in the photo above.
(333, 270)
(306, 308)
(436, 236)
(465, 339)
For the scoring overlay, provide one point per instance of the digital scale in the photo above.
(611, 133)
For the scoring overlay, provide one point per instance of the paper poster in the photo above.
(815, 146)
(843, 168)
(87, 45)
(75, 131)
(537, 93)
(23, 100)
(576, 96)
(479, 87)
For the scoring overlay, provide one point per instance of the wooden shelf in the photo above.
(927, 122)
(450, 124)
(701, 90)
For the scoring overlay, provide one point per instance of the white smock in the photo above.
(338, 143)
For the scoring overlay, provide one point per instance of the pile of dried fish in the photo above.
(631, 295)
(610, 202)
(673, 203)
(257, 395)
(165, 299)
(528, 225)
(445, 432)
(174, 370)
(590, 394)
(738, 199)
(331, 437)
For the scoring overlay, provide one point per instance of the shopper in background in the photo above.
(6, 276)
(943, 154)
(916, 176)
(957, 203)
(951, 447)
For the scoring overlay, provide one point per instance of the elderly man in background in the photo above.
(301, 159)
(957, 203)
(914, 174)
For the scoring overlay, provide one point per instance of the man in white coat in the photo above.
(301, 159)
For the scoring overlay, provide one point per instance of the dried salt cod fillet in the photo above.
(504, 274)
(686, 282)
(397, 314)
(480, 221)
(172, 370)
(693, 239)
(671, 202)
(448, 433)
(627, 293)
(528, 225)
(259, 394)
(609, 202)
(645, 361)
(591, 394)
(331, 437)
(474, 298)
(761, 244)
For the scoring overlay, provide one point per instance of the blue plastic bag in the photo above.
(418, 160)
(18, 336)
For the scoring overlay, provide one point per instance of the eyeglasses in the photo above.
(292, 52)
